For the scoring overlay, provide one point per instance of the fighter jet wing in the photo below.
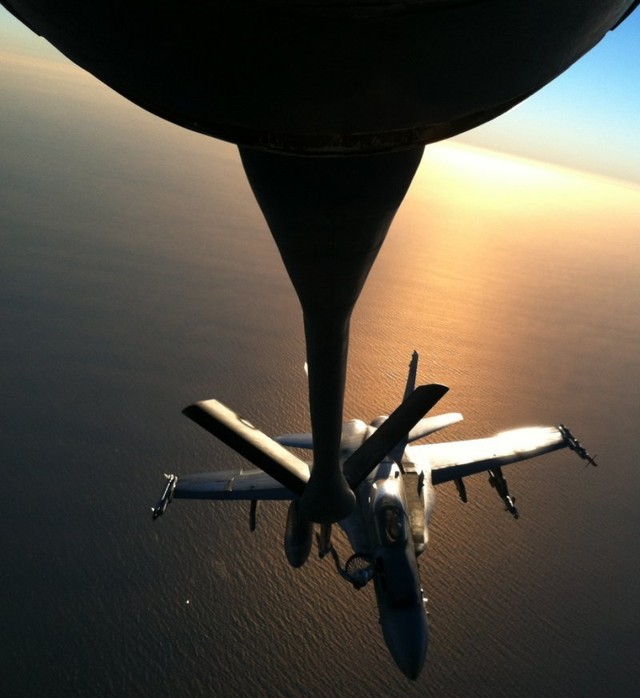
(457, 459)
(230, 484)
(251, 484)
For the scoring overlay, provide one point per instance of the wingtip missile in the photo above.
(165, 499)
(573, 443)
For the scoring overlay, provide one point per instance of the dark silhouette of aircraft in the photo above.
(331, 104)
(395, 497)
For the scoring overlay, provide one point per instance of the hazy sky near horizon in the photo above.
(586, 119)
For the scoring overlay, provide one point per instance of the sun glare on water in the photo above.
(491, 257)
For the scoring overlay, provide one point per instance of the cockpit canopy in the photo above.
(391, 525)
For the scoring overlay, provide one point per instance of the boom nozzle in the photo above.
(327, 497)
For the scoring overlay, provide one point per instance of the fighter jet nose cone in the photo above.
(412, 669)
(405, 631)
(411, 660)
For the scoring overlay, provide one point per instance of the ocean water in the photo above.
(138, 276)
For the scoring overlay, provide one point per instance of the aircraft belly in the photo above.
(324, 77)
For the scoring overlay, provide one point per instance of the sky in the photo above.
(587, 119)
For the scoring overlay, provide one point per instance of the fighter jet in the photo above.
(389, 527)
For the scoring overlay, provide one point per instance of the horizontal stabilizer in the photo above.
(395, 428)
(251, 443)
(429, 425)
(423, 428)
(296, 440)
